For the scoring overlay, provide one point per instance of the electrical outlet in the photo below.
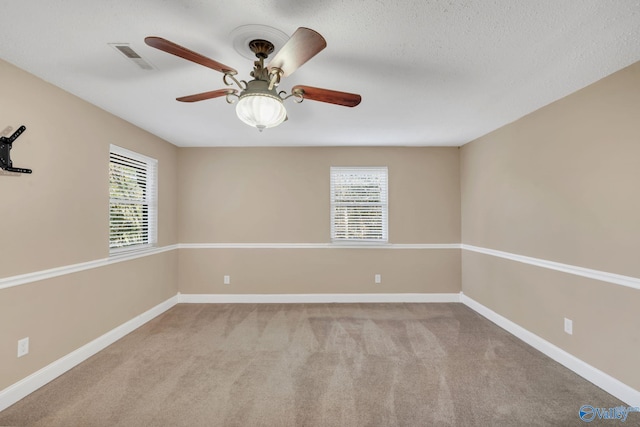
(23, 347)
(568, 326)
(378, 278)
(227, 280)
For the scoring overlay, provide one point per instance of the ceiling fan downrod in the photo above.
(264, 79)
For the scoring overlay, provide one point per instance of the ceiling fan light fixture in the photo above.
(260, 108)
(259, 104)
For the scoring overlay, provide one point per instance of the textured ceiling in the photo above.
(430, 72)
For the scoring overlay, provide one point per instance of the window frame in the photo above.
(149, 200)
(382, 173)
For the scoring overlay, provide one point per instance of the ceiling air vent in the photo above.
(132, 55)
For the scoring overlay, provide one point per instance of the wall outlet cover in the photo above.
(568, 326)
(23, 347)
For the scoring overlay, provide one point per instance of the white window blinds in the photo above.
(132, 200)
(359, 204)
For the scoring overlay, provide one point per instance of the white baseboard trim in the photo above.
(606, 382)
(314, 298)
(28, 385)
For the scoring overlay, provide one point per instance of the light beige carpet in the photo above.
(314, 365)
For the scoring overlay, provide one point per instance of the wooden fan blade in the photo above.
(206, 95)
(303, 45)
(326, 95)
(189, 55)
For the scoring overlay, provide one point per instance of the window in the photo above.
(132, 200)
(359, 207)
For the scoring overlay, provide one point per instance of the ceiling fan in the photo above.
(258, 103)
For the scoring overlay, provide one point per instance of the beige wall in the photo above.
(58, 216)
(281, 195)
(62, 314)
(318, 271)
(561, 184)
(269, 195)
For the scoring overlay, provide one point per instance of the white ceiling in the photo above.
(430, 72)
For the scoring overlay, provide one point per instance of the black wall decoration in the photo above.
(5, 149)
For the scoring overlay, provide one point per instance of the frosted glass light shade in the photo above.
(261, 110)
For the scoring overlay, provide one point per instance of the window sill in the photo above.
(132, 251)
(356, 243)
